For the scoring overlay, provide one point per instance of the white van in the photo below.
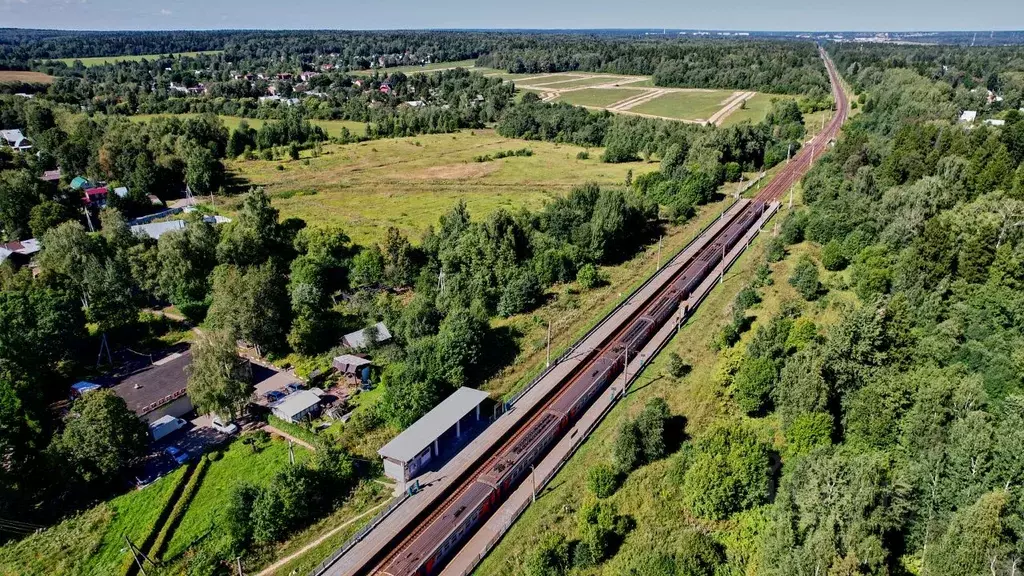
(165, 425)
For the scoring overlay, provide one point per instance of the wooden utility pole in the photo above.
(533, 476)
(238, 563)
(549, 344)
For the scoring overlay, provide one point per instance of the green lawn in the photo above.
(332, 127)
(598, 97)
(237, 466)
(91, 543)
(100, 60)
(545, 79)
(685, 105)
(410, 182)
(580, 82)
(414, 69)
(755, 111)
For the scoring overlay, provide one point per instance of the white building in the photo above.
(16, 140)
(969, 116)
(297, 406)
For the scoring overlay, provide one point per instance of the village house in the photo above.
(15, 140)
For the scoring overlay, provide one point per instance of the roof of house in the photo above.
(79, 182)
(50, 175)
(13, 137)
(84, 386)
(357, 339)
(969, 115)
(5, 254)
(296, 403)
(23, 247)
(408, 444)
(995, 122)
(156, 385)
(349, 363)
(157, 229)
(121, 191)
(162, 420)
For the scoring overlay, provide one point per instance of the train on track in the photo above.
(441, 534)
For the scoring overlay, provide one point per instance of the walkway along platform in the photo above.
(491, 532)
(359, 555)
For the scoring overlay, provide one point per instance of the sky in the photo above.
(578, 14)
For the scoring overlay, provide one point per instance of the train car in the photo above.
(585, 388)
(428, 553)
(509, 466)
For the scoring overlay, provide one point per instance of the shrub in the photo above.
(628, 449)
(588, 277)
(602, 480)
(550, 557)
(808, 431)
(833, 257)
(699, 554)
(776, 250)
(753, 383)
(677, 367)
(652, 423)
(729, 473)
(583, 155)
(805, 279)
(733, 172)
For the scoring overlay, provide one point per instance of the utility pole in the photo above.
(238, 563)
(721, 273)
(789, 153)
(662, 237)
(135, 555)
(291, 452)
(88, 219)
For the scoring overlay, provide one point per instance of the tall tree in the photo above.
(102, 436)
(219, 380)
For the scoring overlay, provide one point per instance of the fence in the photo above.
(359, 535)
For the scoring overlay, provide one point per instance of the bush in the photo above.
(729, 473)
(628, 449)
(733, 172)
(521, 294)
(753, 383)
(677, 367)
(602, 480)
(833, 257)
(699, 554)
(776, 250)
(583, 155)
(588, 277)
(550, 557)
(808, 431)
(805, 279)
(652, 423)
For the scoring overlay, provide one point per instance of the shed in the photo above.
(969, 116)
(80, 183)
(407, 454)
(297, 406)
(358, 340)
(79, 389)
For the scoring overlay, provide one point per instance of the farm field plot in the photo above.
(416, 68)
(409, 182)
(685, 105)
(755, 110)
(597, 97)
(584, 82)
(332, 127)
(91, 543)
(100, 60)
(18, 76)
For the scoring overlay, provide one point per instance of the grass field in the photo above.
(19, 76)
(414, 69)
(332, 127)
(237, 466)
(583, 82)
(597, 97)
(410, 182)
(755, 111)
(100, 60)
(688, 105)
(91, 543)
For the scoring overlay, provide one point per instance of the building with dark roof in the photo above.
(158, 390)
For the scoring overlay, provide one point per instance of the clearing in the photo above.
(20, 76)
(698, 105)
(755, 110)
(101, 60)
(92, 542)
(410, 182)
(332, 127)
(598, 97)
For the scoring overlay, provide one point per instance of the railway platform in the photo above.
(491, 531)
(361, 557)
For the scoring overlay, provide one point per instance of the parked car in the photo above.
(274, 395)
(177, 454)
(222, 427)
(165, 425)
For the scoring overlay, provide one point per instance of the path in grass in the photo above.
(280, 563)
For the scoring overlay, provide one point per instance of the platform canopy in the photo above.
(432, 425)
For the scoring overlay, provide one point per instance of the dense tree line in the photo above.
(779, 67)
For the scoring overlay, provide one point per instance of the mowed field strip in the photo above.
(637, 95)
(19, 76)
(410, 182)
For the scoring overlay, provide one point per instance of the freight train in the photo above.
(426, 554)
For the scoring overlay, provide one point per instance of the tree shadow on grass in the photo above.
(500, 348)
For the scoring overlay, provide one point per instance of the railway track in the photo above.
(426, 548)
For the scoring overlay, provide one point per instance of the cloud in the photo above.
(165, 12)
